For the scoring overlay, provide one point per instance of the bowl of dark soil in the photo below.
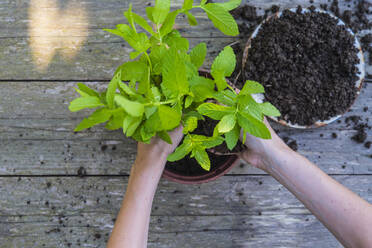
(310, 63)
(188, 171)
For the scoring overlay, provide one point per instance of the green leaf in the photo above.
(134, 54)
(165, 136)
(191, 70)
(165, 118)
(126, 89)
(207, 142)
(144, 134)
(190, 124)
(203, 2)
(188, 101)
(99, 116)
(87, 90)
(224, 97)
(177, 43)
(135, 109)
(191, 18)
(247, 104)
(227, 123)
(175, 82)
(116, 120)
(149, 111)
(214, 111)
(130, 124)
(136, 71)
(143, 23)
(202, 157)
(198, 53)
(149, 11)
(139, 41)
(168, 24)
(269, 109)
(221, 18)
(156, 56)
(111, 89)
(232, 137)
(181, 151)
(160, 11)
(225, 62)
(129, 15)
(81, 93)
(85, 102)
(202, 88)
(223, 66)
(252, 87)
(155, 93)
(187, 4)
(253, 126)
(230, 5)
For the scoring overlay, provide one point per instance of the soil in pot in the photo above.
(307, 64)
(190, 167)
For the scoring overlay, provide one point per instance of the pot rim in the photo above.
(232, 161)
(358, 83)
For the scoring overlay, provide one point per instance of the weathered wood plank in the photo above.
(82, 49)
(245, 211)
(37, 139)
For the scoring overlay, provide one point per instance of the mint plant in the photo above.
(161, 88)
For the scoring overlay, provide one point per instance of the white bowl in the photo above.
(358, 84)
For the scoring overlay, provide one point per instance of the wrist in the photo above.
(154, 163)
(276, 156)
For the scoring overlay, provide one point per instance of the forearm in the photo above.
(344, 213)
(131, 227)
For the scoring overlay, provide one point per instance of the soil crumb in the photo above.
(82, 172)
(367, 144)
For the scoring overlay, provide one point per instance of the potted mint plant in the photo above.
(162, 87)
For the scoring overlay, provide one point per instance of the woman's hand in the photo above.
(261, 152)
(158, 150)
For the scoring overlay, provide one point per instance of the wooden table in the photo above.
(43, 201)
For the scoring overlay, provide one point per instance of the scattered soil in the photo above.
(189, 166)
(103, 148)
(359, 126)
(361, 134)
(368, 144)
(291, 143)
(307, 64)
(82, 172)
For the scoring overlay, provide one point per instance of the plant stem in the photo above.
(232, 89)
(158, 31)
(148, 59)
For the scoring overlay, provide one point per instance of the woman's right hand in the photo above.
(262, 153)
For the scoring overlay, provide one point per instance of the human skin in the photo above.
(132, 223)
(347, 216)
(344, 213)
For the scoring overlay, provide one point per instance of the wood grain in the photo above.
(101, 52)
(44, 204)
(234, 211)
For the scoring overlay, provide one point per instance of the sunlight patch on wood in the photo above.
(50, 31)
